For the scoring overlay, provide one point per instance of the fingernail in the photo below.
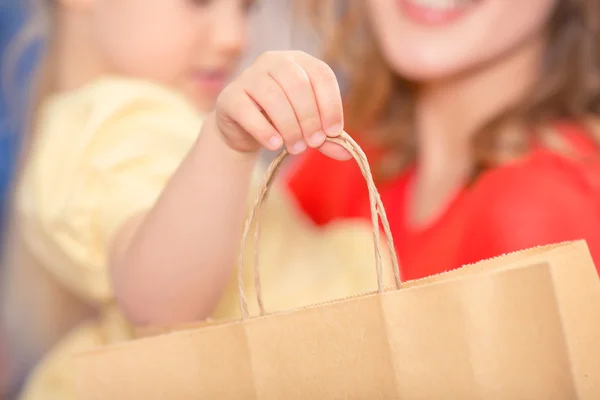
(335, 130)
(299, 147)
(275, 143)
(317, 139)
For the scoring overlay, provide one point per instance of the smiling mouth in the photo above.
(442, 5)
(436, 11)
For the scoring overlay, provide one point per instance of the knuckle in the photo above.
(267, 55)
(289, 129)
(297, 82)
(325, 72)
(284, 63)
(272, 95)
(300, 54)
(318, 66)
(264, 132)
(271, 57)
(332, 112)
(311, 123)
(226, 98)
(289, 125)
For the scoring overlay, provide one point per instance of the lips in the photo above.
(436, 12)
(442, 5)
(210, 80)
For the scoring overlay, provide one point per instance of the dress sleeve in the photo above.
(548, 199)
(83, 181)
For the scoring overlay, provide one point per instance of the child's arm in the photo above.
(171, 265)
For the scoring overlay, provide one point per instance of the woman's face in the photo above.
(430, 40)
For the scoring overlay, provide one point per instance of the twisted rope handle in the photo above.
(377, 212)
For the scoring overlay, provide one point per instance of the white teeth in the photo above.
(440, 4)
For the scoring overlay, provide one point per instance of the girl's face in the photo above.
(191, 45)
(433, 40)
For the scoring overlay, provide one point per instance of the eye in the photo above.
(201, 3)
(250, 5)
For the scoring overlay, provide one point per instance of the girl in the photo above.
(122, 94)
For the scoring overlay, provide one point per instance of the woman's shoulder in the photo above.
(544, 197)
(574, 163)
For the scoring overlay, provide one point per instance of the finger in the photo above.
(250, 118)
(298, 89)
(335, 151)
(271, 98)
(327, 92)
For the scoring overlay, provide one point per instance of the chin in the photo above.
(424, 72)
(203, 104)
(205, 107)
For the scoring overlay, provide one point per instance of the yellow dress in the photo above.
(102, 154)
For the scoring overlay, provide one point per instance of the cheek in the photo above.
(423, 52)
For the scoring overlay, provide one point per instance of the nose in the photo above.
(230, 31)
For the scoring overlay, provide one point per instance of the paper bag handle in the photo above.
(377, 210)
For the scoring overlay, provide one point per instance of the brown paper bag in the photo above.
(522, 326)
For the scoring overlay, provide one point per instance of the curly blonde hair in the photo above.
(568, 86)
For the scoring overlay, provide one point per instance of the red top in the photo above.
(542, 199)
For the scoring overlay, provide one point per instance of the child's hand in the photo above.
(285, 98)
